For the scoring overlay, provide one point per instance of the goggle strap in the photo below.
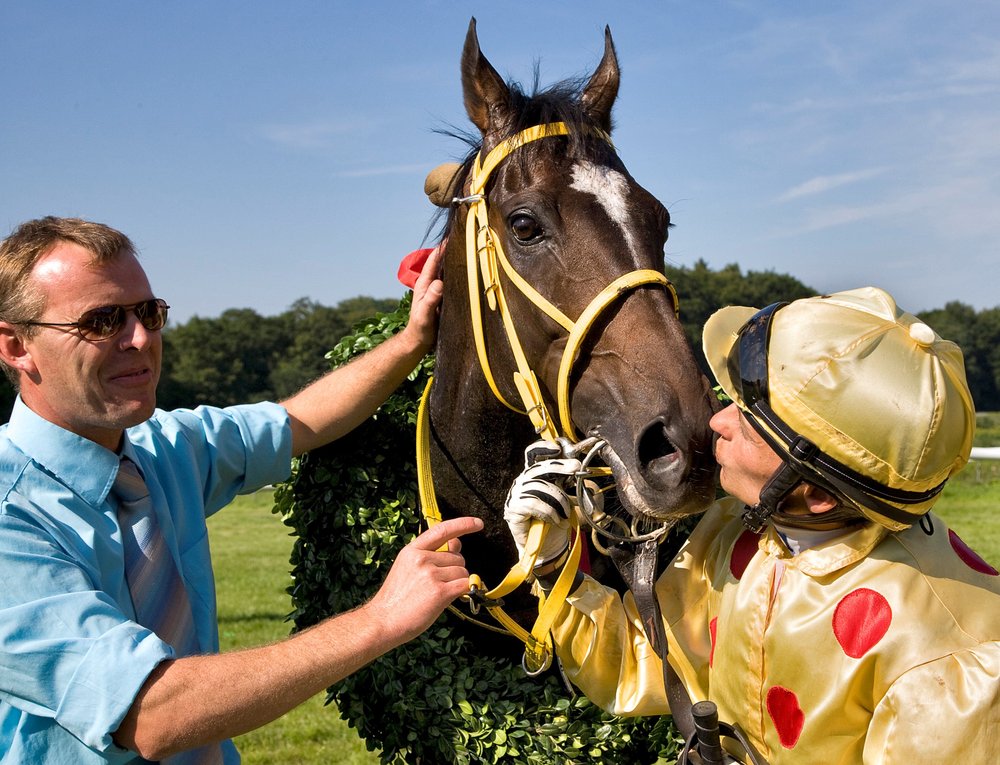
(778, 486)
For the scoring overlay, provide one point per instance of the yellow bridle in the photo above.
(485, 259)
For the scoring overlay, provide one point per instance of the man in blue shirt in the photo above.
(81, 680)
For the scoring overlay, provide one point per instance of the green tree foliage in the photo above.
(703, 291)
(242, 357)
(978, 335)
(312, 328)
(223, 361)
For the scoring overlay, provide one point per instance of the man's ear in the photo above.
(13, 350)
(818, 500)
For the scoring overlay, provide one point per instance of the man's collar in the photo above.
(84, 466)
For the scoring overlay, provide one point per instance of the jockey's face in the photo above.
(746, 462)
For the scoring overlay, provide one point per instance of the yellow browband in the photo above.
(485, 259)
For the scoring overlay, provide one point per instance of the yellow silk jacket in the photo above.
(876, 647)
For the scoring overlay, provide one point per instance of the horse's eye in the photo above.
(525, 228)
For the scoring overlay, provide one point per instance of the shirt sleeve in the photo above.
(67, 652)
(946, 710)
(228, 451)
(605, 653)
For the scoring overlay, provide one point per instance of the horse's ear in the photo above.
(487, 97)
(600, 93)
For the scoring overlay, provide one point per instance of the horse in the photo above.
(580, 238)
(567, 220)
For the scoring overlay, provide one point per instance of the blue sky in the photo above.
(262, 152)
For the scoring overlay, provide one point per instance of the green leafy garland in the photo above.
(353, 506)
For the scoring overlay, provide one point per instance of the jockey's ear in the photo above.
(441, 184)
(818, 500)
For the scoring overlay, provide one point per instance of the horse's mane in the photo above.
(559, 102)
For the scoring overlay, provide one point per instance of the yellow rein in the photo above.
(485, 260)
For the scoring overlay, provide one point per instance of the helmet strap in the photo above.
(824, 471)
(779, 486)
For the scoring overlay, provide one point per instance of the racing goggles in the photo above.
(748, 366)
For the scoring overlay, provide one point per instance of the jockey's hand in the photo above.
(539, 494)
(541, 450)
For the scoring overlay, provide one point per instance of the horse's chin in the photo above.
(652, 506)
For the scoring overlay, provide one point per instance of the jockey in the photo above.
(821, 606)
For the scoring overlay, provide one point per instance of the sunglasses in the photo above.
(108, 320)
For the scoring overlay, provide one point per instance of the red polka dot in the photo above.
(712, 627)
(860, 620)
(744, 549)
(969, 556)
(786, 714)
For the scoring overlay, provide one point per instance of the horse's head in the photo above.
(569, 221)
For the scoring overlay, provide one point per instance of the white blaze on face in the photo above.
(610, 188)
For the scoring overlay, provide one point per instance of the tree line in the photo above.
(241, 356)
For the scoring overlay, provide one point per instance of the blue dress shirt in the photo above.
(71, 658)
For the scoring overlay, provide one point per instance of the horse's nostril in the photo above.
(656, 454)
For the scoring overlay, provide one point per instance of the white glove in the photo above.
(537, 494)
(541, 450)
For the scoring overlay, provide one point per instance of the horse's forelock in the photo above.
(560, 102)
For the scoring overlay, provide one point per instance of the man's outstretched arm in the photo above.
(344, 398)
(193, 701)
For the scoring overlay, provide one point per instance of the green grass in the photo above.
(250, 548)
(971, 498)
(969, 505)
(250, 551)
(987, 429)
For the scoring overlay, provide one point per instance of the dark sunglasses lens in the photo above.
(152, 314)
(108, 320)
(103, 322)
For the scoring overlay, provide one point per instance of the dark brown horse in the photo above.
(571, 220)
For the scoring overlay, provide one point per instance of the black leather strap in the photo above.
(637, 563)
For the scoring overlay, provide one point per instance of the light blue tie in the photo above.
(158, 593)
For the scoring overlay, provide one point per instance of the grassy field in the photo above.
(251, 548)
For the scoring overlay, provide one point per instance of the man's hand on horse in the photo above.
(427, 575)
(427, 294)
(538, 494)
